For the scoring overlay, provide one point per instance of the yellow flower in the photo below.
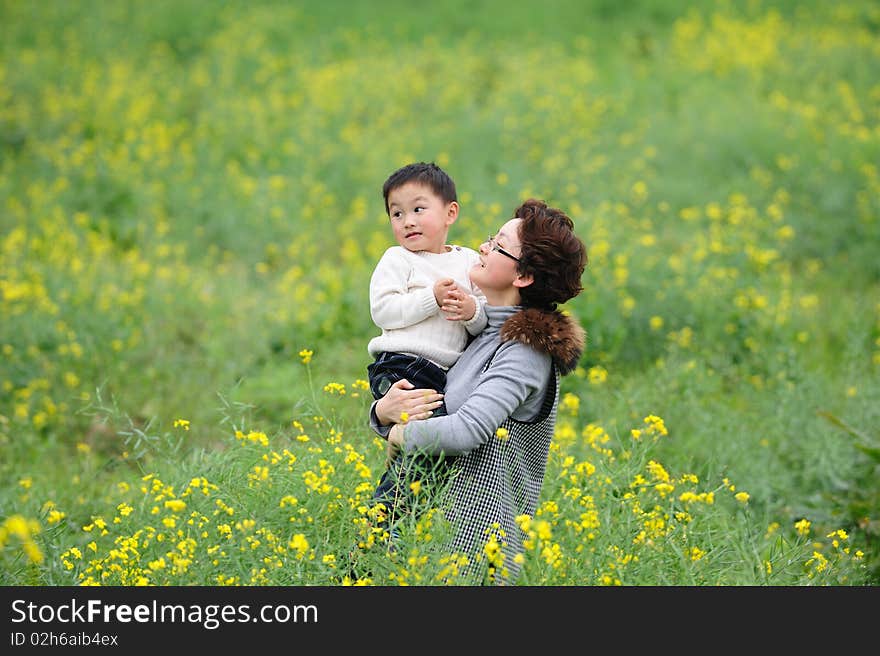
(20, 527)
(655, 425)
(24, 530)
(32, 551)
(664, 488)
(742, 497)
(571, 403)
(306, 356)
(492, 549)
(175, 505)
(597, 375)
(502, 433)
(803, 527)
(415, 486)
(658, 472)
(524, 522)
(181, 423)
(335, 388)
(836, 536)
(259, 473)
(543, 529)
(404, 417)
(300, 544)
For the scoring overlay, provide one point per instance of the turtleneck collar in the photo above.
(498, 314)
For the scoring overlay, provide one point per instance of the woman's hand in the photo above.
(395, 444)
(404, 402)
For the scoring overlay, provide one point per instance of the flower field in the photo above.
(190, 209)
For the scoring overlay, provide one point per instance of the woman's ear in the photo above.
(523, 281)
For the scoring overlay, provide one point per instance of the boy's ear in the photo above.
(451, 213)
(523, 281)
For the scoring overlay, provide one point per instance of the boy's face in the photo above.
(419, 218)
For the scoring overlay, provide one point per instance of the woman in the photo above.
(503, 392)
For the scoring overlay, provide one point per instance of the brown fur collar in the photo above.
(549, 332)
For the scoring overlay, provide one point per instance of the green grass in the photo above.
(191, 196)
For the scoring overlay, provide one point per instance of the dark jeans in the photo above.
(388, 368)
(393, 487)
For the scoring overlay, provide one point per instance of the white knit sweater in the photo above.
(402, 303)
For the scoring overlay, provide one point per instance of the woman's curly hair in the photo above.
(551, 252)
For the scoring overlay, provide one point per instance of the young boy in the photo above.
(408, 287)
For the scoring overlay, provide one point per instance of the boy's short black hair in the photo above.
(426, 173)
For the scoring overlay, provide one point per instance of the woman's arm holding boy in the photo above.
(516, 374)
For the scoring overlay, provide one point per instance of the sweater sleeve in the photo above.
(379, 429)
(393, 302)
(477, 323)
(517, 373)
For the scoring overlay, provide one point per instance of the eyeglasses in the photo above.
(493, 245)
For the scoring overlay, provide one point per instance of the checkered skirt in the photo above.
(493, 484)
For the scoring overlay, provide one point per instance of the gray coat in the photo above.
(507, 378)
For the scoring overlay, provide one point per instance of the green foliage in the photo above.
(293, 508)
(191, 197)
(856, 500)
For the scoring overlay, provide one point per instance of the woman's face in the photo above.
(495, 274)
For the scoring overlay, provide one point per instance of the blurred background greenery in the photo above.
(191, 195)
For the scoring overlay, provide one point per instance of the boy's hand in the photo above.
(458, 305)
(442, 288)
